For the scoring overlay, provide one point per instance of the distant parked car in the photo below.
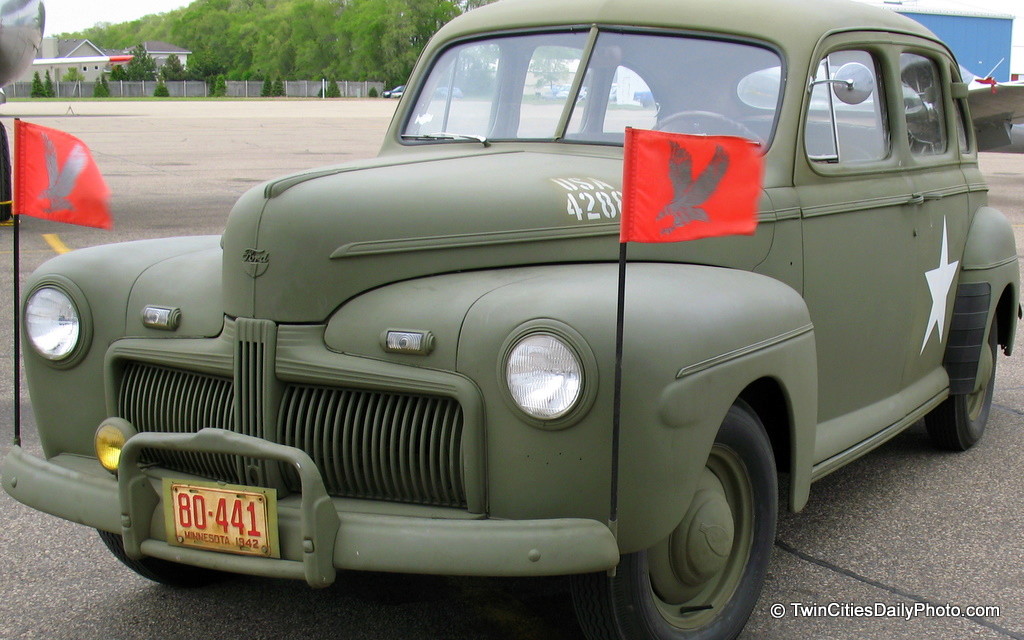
(396, 92)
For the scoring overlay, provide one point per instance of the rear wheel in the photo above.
(162, 571)
(702, 581)
(959, 422)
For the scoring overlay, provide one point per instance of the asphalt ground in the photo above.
(910, 532)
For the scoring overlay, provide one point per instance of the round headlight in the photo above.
(544, 376)
(52, 323)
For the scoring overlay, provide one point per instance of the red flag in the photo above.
(684, 187)
(56, 178)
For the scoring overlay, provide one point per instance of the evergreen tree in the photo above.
(142, 65)
(278, 88)
(117, 73)
(101, 89)
(268, 88)
(161, 90)
(48, 85)
(220, 87)
(172, 69)
(38, 90)
(332, 89)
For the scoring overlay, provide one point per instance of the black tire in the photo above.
(636, 604)
(162, 571)
(959, 422)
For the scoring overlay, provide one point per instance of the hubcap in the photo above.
(695, 571)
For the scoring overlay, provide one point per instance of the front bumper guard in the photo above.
(332, 537)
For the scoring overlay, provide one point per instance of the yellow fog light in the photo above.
(109, 440)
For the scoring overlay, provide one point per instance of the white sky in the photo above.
(74, 15)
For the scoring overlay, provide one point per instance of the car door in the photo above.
(860, 262)
(941, 210)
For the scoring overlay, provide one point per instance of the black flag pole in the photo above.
(6, 210)
(613, 519)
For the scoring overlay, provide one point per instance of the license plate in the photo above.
(221, 517)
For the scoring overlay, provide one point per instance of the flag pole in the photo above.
(613, 520)
(6, 204)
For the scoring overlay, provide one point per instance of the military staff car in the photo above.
(406, 364)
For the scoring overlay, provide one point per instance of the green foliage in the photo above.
(268, 88)
(220, 87)
(373, 93)
(72, 75)
(292, 39)
(117, 73)
(38, 90)
(48, 85)
(161, 90)
(102, 88)
(172, 69)
(332, 90)
(277, 89)
(142, 66)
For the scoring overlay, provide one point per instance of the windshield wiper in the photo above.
(444, 135)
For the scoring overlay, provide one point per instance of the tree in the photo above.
(101, 89)
(278, 88)
(220, 87)
(38, 90)
(142, 65)
(332, 89)
(48, 85)
(117, 73)
(268, 88)
(204, 65)
(72, 75)
(172, 69)
(161, 90)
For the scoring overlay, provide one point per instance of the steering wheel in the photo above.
(705, 123)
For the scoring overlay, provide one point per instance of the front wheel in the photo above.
(702, 581)
(157, 570)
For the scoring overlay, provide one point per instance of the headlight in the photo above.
(544, 376)
(52, 323)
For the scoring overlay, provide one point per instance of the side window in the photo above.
(846, 121)
(922, 105)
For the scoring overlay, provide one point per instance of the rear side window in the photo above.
(922, 105)
(846, 121)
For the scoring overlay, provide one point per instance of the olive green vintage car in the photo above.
(406, 364)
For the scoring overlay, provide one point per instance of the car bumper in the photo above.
(318, 534)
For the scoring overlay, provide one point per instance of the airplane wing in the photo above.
(995, 108)
(84, 60)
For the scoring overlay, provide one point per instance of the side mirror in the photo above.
(853, 83)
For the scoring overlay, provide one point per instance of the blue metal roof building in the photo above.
(982, 42)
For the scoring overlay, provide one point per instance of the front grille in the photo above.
(156, 398)
(367, 444)
(378, 446)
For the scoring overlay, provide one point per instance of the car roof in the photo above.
(777, 21)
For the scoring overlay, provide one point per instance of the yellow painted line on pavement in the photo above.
(55, 243)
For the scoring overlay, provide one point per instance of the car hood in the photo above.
(297, 248)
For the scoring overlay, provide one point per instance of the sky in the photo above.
(74, 15)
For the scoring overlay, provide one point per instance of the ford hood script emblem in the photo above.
(256, 262)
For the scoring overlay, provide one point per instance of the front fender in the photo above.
(103, 280)
(695, 338)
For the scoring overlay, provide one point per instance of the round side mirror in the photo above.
(853, 83)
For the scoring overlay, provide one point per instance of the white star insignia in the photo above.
(940, 283)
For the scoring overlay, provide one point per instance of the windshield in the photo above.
(536, 87)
